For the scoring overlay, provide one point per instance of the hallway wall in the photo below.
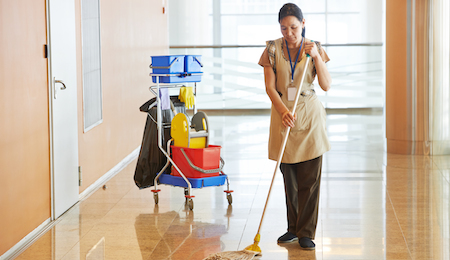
(396, 73)
(24, 131)
(131, 32)
(417, 82)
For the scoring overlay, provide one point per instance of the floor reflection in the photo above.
(373, 205)
(98, 251)
(419, 193)
(293, 252)
(185, 238)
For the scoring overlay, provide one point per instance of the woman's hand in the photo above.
(311, 49)
(323, 75)
(288, 119)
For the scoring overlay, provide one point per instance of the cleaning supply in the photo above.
(194, 134)
(233, 255)
(187, 96)
(164, 98)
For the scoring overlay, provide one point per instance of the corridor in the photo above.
(373, 205)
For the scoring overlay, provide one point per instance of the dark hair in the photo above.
(291, 9)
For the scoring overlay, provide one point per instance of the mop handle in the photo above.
(283, 146)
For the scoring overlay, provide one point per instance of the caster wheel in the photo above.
(229, 198)
(190, 204)
(156, 197)
(186, 193)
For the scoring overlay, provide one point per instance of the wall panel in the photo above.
(131, 32)
(24, 132)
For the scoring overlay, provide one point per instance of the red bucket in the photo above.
(204, 158)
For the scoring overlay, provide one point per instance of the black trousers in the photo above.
(302, 188)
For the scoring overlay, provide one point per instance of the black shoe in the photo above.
(306, 243)
(288, 237)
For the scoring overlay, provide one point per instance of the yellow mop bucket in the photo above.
(190, 134)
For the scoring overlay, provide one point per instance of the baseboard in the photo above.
(111, 173)
(28, 240)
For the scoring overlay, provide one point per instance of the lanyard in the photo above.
(296, 59)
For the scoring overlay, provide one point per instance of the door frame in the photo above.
(50, 105)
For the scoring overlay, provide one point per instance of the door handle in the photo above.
(62, 82)
(54, 86)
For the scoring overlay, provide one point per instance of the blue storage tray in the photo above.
(193, 63)
(168, 64)
(195, 182)
(178, 78)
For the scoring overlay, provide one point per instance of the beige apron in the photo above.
(308, 138)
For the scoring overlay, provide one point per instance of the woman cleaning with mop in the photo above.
(284, 62)
(298, 136)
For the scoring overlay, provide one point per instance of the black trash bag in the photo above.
(151, 160)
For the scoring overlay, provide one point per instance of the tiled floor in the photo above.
(373, 205)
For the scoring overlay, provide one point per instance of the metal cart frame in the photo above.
(187, 191)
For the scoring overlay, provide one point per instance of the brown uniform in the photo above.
(307, 141)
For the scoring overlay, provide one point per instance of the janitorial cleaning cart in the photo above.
(190, 160)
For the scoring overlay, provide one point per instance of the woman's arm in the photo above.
(322, 72)
(270, 79)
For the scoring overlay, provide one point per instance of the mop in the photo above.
(254, 250)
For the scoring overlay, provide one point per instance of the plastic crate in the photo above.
(168, 64)
(204, 158)
(193, 63)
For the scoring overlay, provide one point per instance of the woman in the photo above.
(284, 60)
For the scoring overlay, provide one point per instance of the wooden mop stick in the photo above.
(283, 146)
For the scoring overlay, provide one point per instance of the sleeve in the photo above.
(268, 57)
(322, 53)
(324, 56)
(264, 60)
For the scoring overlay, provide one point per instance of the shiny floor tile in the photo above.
(373, 205)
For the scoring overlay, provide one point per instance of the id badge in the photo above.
(292, 92)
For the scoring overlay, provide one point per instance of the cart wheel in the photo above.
(156, 197)
(186, 193)
(190, 204)
(229, 198)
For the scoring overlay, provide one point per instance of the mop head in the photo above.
(248, 253)
(234, 255)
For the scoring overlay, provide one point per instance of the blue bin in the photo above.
(168, 64)
(193, 63)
